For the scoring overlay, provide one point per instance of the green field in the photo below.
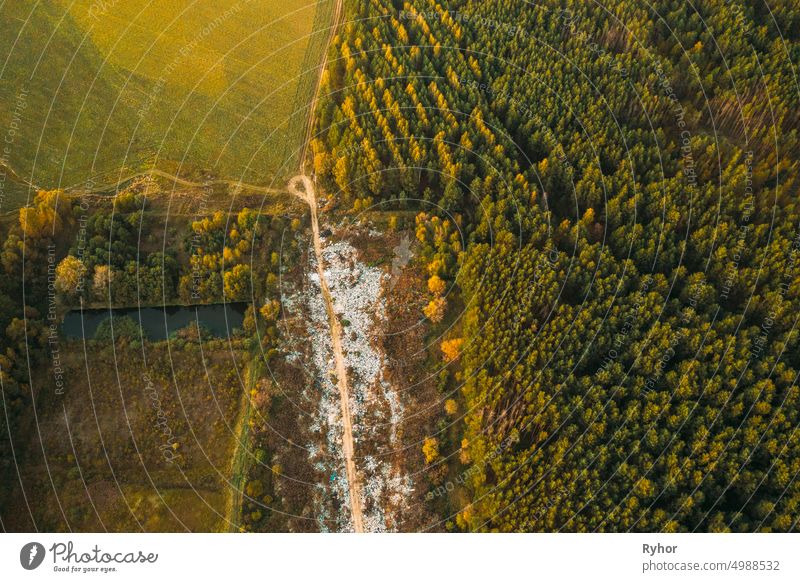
(98, 89)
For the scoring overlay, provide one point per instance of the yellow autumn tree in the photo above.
(42, 219)
(341, 175)
(463, 518)
(451, 349)
(237, 283)
(271, 309)
(463, 454)
(436, 266)
(435, 309)
(436, 285)
(69, 275)
(430, 448)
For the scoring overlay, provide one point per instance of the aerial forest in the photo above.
(606, 201)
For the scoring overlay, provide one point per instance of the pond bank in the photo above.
(158, 323)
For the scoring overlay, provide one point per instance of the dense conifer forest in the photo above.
(607, 202)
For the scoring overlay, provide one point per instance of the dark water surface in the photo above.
(159, 322)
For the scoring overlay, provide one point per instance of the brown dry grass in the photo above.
(99, 453)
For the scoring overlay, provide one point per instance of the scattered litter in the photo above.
(356, 290)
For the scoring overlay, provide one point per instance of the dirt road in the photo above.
(155, 172)
(302, 187)
(337, 12)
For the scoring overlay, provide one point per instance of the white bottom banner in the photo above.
(333, 557)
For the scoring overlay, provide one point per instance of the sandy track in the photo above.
(337, 12)
(177, 181)
(308, 195)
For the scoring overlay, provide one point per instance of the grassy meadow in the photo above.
(132, 444)
(93, 91)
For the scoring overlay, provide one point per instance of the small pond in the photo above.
(159, 322)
